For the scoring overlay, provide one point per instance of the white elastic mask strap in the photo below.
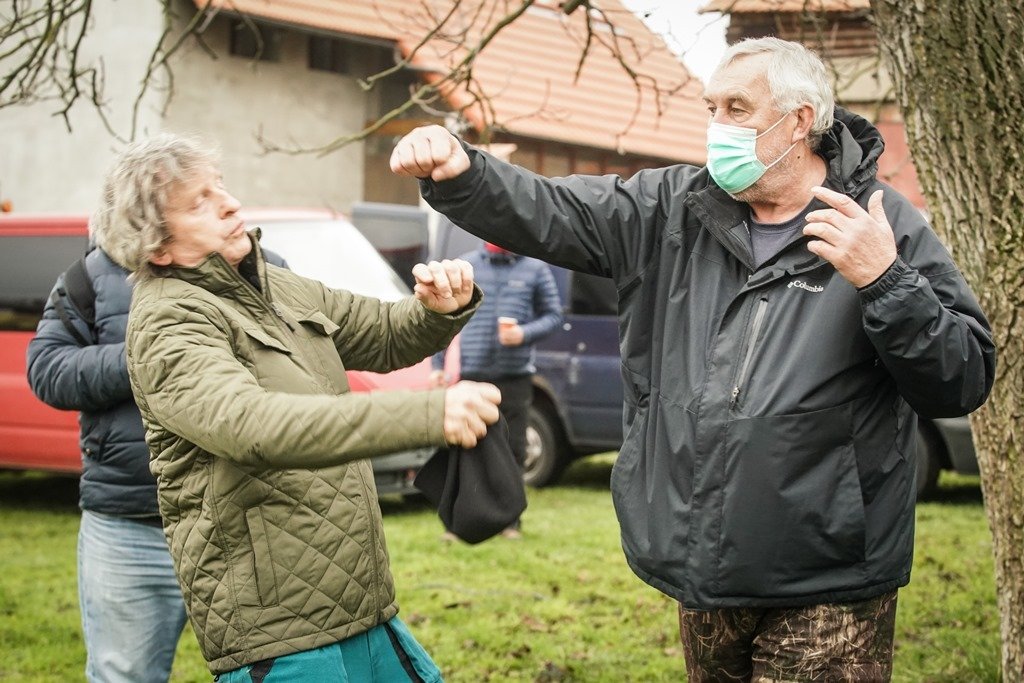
(772, 127)
(781, 157)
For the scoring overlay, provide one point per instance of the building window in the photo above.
(328, 54)
(255, 41)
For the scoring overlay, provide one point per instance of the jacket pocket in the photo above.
(272, 363)
(265, 340)
(753, 333)
(319, 322)
(95, 434)
(792, 520)
(628, 485)
(263, 563)
(319, 333)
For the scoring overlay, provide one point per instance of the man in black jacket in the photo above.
(782, 314)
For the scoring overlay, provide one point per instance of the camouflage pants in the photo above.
(837, 642)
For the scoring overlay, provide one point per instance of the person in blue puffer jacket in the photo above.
(520, 306)
(131, 606)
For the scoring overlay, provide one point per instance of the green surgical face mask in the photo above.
(732, 155)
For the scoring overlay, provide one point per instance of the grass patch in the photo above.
(558, 605)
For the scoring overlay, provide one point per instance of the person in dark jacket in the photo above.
(782, 314)
(130, 602)
(520, 307)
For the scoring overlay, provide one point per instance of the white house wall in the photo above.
(230, 100)
(45, 168)
(225, 100)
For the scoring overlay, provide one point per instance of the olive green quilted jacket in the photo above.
(259, 449)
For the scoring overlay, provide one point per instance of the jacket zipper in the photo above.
(263, 297)
(755, 329)
(266, 302)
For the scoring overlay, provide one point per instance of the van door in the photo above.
(581, 362)
(32, 254)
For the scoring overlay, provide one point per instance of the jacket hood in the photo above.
(851, 150)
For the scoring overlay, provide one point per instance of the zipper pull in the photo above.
(735, 395)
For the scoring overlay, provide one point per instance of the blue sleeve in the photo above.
(67, 376)
(437, 360)
(547, 304)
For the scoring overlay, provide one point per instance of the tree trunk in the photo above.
(958, 67)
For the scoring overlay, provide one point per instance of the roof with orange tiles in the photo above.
(528, 72)
(759, 6)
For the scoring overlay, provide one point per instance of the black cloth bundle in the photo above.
(477, 491)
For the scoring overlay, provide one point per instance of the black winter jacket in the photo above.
(769, 416)
(93, 379)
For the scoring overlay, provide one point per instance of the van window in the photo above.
(29, 265)
(592, 295)
(336, 254)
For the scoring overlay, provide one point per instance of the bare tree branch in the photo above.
(457, 36)
(406, 62)
(43, 61)
(41, 58)
(158, 59)
(41, 40)
(458, 75)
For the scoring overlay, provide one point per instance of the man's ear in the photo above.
(160, 258)
(805, 119)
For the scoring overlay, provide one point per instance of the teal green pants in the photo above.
(385, 654)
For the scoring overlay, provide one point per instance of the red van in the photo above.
(35, 249)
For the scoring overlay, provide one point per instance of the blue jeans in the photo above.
(132, 611)
(387, 653)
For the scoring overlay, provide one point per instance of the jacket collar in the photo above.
(217, 276)
(850, 150)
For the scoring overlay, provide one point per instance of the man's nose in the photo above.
(229, 205)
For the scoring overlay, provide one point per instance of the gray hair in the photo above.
(796, 76)
(130, 223)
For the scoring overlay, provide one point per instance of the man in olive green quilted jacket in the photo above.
(258, 447)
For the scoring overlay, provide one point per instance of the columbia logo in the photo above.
(803, 285)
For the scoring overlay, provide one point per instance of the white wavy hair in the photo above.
(795, 75)
(129, 224)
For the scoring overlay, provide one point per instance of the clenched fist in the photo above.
(429, 152)
(445, 286)
(468, 408)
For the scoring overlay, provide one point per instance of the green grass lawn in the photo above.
(558, 605)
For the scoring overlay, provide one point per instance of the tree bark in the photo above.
(958, 67)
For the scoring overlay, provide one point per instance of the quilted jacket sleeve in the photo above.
(380, 336)
(189, 384)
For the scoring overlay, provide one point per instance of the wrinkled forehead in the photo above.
(744, 79)
(189, 182)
